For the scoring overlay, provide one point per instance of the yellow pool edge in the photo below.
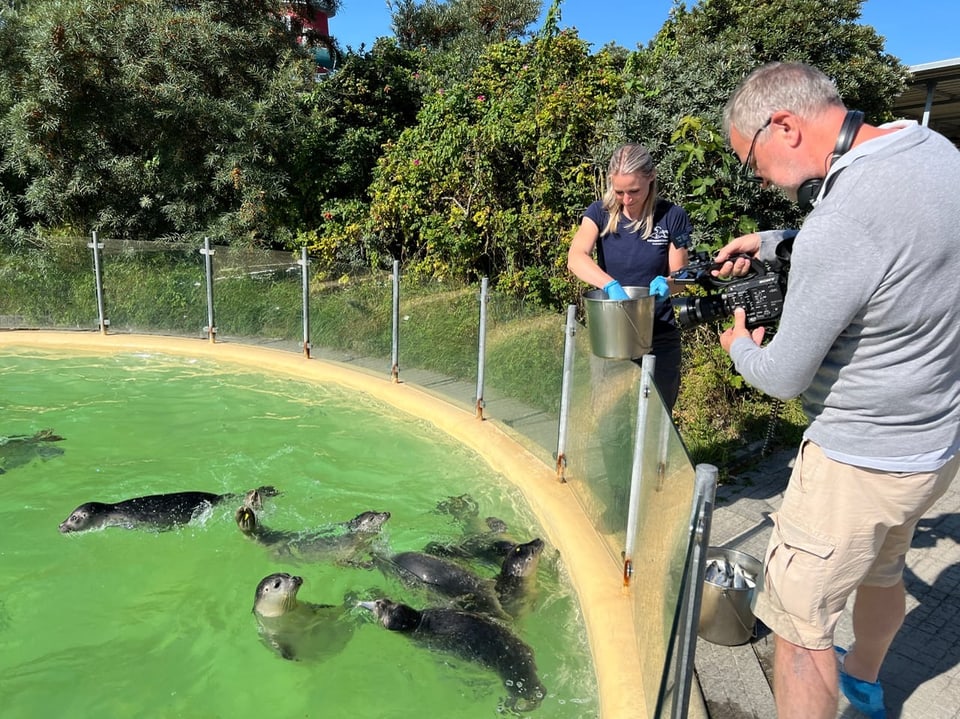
(606, 608)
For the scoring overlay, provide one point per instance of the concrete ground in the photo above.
(921, 676)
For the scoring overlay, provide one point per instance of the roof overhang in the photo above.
(932, 97)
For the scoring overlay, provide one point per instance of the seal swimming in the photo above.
(158, 511)
(464, 511)
(489, 546)
(341, 542)
(444, 578)
(504, 596)
(298, 631)
(473, 637)
(20, 449)
(514, 583)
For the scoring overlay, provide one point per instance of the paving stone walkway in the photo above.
(921, 676)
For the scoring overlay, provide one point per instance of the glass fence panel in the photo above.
(599, 464)
(150, 287)
(438, 334)
(523, 370)
(439, 329)
(351, 317)
(257, 296)
(600, 439)
(662, 543)
(673, 683)
(48, 284)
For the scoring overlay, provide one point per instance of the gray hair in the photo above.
(792, 86)
(630, 159)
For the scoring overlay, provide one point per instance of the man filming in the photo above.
(870, 338)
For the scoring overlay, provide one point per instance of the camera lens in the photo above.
(693, 311)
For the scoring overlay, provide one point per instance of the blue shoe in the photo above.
(867, 697)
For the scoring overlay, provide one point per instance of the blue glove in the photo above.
(615, 291)
(659, 287)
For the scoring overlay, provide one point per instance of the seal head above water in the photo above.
(298, 631)
(517, 578)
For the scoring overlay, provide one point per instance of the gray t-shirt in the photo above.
(870, 331)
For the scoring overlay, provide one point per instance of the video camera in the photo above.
(760, 292)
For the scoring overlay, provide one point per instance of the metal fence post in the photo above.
(481, 351)
(395, 356)
(568, 347)
(98, 280)
(647, 367)
(704, 498)
(211, 328)
(304, 263)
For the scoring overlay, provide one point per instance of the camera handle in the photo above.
(700, 271)
(757, 269)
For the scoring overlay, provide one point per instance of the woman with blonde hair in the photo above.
(639, 239)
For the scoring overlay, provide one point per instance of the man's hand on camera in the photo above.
(743, 245)
(739, 329)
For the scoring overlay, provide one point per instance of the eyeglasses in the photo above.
(747, 170)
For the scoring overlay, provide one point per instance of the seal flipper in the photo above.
(484, 604)
(253, 498)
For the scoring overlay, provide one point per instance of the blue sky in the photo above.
(916, 31)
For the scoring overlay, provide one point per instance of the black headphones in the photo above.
(810, 190)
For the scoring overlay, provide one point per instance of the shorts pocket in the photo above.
(796, 569)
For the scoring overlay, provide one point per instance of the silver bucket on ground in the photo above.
(620, 329)
(726, 616)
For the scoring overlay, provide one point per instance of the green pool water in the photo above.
(121, 623)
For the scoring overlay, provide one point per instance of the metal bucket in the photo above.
(726, 616)
(620, 329)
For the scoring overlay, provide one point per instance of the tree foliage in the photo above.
(348, 119)
(454, 33)
(460, 25)
(678, 85)
(497, 169)
(12, 64)
(465, 146)
(154, 117)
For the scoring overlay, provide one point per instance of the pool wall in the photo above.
(608, 613)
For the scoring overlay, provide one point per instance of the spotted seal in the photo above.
(445, 578)
(471, 636)
(20, 449)
(298, 631)
(516, 580)
(342, 542)
(158, 511)
(505, 596)
(489, 546)
(464, 511)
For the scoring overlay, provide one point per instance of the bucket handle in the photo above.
(629, 318)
